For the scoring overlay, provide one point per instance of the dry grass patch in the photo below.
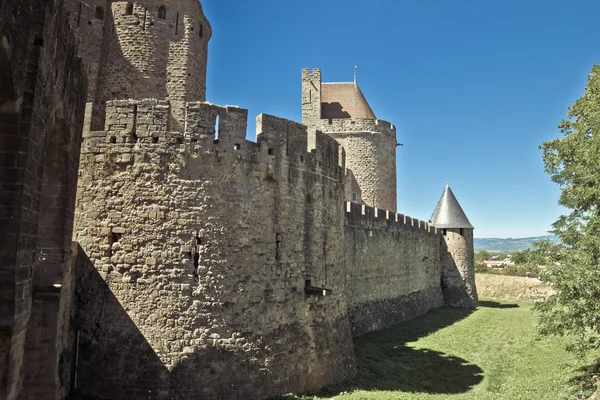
(504, 287)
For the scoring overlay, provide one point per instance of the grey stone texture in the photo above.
(207, 246)
(141, 49)
(458, 272)
(206, 266)
(42, 102)
(392, 267)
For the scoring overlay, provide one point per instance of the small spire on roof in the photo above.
(446, 182)
(355, 67)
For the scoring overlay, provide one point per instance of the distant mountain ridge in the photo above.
(509, 245)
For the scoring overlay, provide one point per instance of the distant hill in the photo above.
(509, 245)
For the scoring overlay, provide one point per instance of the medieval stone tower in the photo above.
(210, 266)
(341, 111)
(458, 264)
(142, 49)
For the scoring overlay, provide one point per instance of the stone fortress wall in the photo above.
(227, 268)
(207, 266)
(393, 267)
(205, 256)
(42, 102)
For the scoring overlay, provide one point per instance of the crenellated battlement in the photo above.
(281, 143)
(227, 268)
(344, 125)
(379, 219)
(310, 74)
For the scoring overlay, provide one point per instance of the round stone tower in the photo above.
(142, 49)
(458, 263)
(342, 111)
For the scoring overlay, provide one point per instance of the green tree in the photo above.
(521, 257)
(481, 256)
(573, 161)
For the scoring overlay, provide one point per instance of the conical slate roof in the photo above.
(448, 213)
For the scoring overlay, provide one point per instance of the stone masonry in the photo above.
(42, 103)
(150, 49)
(205, 265)
(214, 247)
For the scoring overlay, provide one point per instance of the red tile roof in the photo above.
(344, 100)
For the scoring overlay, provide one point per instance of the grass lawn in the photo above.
(491, 353)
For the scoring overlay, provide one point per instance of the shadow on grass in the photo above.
(493, 304)
(386, 363)
(587, 377)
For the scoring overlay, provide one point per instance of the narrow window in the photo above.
(129, 9)
(278, 247)
(444, 231)
(237, 146)
(162, 12)
(177, 23)
(155, 139)
(354, 196)
(100, 13)
(196, 255)
(116, 237)
(301, 159)
(113, 139)
(145, 14)
(79, 14)
(461, 232)
(271, 152)
(217, 128)
(201, 31)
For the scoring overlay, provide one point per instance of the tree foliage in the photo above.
(573, 161)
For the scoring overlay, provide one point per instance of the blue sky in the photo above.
(473, 86)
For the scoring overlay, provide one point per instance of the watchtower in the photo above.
(340, 110)
(458, 263)
(141, 49)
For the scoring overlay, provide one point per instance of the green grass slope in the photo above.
(492, 353)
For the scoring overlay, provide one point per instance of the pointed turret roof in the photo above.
(448, 213)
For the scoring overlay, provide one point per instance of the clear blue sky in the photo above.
(474, 86)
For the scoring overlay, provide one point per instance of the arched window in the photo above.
(129, 9)
(100, 13)
(162, 12)
(201, 30)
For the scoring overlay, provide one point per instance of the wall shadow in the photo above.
(495, 304)
(386, 363)
(115, 360)
(587, 378)
(106, 372)
(97, 309)
(333, 110)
